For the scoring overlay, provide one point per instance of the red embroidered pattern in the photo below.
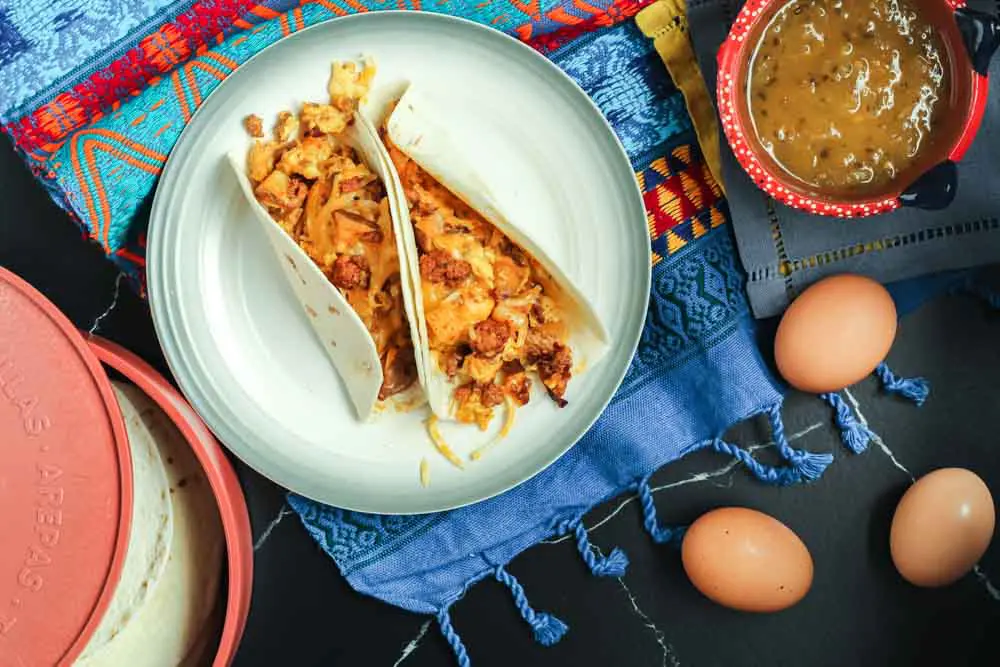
(41, 132)
(173, 43)
(618, 11)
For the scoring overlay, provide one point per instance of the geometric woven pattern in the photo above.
(683, 201)
(99, 147)
(201, 24)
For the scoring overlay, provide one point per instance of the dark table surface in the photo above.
(859, 612)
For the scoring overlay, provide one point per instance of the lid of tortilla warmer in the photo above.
(65, 483)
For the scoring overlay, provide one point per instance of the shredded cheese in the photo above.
(425, 473)
(410, 403)
(508, 423)
(440, 444)
(508, 418)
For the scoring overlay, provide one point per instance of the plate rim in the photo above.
(167, 324)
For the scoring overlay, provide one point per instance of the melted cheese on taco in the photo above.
(490, 321)
(335, 208)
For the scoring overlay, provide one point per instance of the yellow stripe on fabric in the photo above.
(683, 153)
(692, 190)
(669, 203)
(698, 229)
(716, 217)
(674, 242)
(665, 22)
(660, 166)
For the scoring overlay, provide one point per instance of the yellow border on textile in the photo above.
(665, 22)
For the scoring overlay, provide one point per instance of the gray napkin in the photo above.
(903, 244)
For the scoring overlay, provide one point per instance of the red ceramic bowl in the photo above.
(969, 37)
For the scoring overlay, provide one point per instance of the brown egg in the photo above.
(835, 333)
(942, 527)
(746, 560)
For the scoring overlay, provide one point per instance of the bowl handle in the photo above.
(935, 188)
(981, 36)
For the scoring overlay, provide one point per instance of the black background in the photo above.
(859, 612)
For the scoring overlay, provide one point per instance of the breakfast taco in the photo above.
(496, 313)
(320, 186)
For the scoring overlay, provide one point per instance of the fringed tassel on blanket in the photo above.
(768, 474)
(809, 465)
(914, 389)
(547, 628)
(454, 641)
(853, 433)
(612, 565)
(803, 466)
(660, 534)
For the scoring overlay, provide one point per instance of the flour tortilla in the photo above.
(160, 624)
(414, 128)
(152, 527)
(343, 335)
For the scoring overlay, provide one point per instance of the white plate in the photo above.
(239, 345)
